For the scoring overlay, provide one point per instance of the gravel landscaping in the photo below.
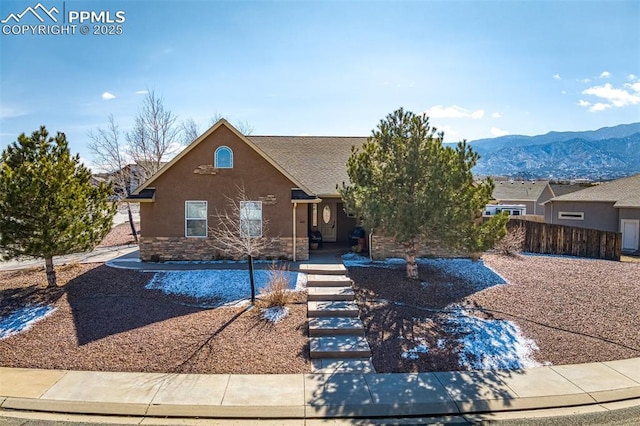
(106, 320)
(554, 310)
(501, 312)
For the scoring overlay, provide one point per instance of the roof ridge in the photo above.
(308, 136)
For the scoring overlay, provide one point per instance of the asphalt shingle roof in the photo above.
(317, 162)
(623, 192)
(519, 190)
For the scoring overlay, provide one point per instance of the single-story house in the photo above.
(611, 206)
(292, 180)
(533, 194)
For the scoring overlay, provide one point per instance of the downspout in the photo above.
(295, 205)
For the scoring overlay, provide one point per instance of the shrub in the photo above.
(276, 292)
(512, 243)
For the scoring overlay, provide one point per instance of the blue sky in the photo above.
(478, 68)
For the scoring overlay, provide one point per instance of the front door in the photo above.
(630, 233)
(327, 221)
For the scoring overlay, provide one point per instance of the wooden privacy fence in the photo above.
(569, 240)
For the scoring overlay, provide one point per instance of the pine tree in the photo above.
(407, 185)
(48, 206)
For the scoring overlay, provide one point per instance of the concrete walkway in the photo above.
(99, 255)
(318, 395)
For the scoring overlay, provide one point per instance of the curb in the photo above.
(310, 396)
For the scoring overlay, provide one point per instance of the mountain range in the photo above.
(603, 154)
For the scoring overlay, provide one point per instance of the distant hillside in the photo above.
(607, 153)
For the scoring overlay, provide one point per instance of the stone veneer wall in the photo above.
(385, 247)
(158, 249)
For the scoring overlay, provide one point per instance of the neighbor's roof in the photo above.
(318, 162)
(519, 190)
(623, 192)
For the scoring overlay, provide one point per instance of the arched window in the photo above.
(223, 158)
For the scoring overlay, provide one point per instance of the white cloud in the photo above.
(631, 77)
(496, 115)
(633, 86)
(498, 132)
(584, 103)
(599, 107)
(9, 112)
(557, 77)
(586, 80)
(108, 96)
(605, 74)
(616, 97)
(476, 115)
(564, 92)
(439, 111)
(142, 92)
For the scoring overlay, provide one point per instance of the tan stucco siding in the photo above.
(166, 216)
(597, 215)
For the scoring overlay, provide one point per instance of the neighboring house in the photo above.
(291, 179)
(133, 175)
(610, 206)
(533, 194)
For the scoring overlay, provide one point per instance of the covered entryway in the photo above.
(630, 234)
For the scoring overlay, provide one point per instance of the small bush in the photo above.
(512, 243)
(276, 293)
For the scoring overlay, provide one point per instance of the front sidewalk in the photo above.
(318, 395)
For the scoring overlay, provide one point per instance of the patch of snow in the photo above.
(413, 354)
(22, 319)
(275, 313)
(479, 275)
(475, 273)
(301, 282)
(225, 285)
(492, 344)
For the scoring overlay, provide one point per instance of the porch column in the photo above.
(295, 205)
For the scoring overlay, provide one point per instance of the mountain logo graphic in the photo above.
(34, 11)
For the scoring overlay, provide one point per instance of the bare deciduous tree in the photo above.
(512, 243)
(155, 135)
(190, 131)
(243, 126)
(240, 232)
(109, 156)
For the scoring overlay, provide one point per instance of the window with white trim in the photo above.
(571, 215)
(314, 215)
(195, 218)
(251, 219)
(223, 158)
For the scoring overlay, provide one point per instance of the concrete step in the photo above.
(323, 269)
(339, 347)
(335, 326)
(332, 309)
(318, 280)
(342, 365)
(330, 293)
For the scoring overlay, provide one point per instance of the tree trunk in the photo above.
(251, 279)
(51, 273)
(410, 257)
(133, 227)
